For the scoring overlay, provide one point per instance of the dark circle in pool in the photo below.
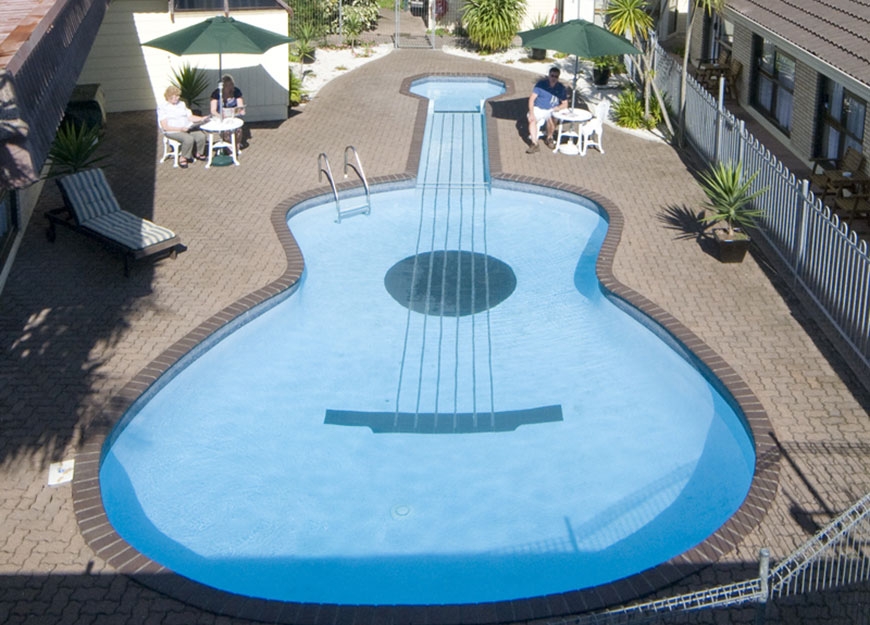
(453, 283)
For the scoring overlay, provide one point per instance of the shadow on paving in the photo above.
(65, 598)
(64, 304)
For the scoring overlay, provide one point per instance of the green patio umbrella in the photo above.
(580, 38)
(219, 35)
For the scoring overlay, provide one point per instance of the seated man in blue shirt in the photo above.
(549, 95)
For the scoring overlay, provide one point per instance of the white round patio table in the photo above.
(214, 128)
(568, 129)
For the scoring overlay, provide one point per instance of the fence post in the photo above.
(720, 119)
(800, 239)
(763, 574)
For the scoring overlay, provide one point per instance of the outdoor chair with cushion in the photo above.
(732, 78)
(854, 205)
(92, 210)
(709, 71)
(830, 176)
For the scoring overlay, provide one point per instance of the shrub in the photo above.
(627, 111)
(353, 25)
(297, 93)
(325, 14)
(492, 24)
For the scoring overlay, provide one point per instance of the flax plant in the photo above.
(730, 196)
(493, 24)
(192, 81)
(74, 149)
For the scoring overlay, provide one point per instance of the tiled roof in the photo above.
(43, 46)
(835, 31)
(18, 20)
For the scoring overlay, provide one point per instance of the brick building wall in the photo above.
(742, 51)
(804, 115)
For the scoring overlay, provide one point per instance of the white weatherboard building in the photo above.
(133, 77)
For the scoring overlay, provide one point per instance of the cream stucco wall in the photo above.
(535, 8)
(573, 9)
(134, 77)
(558, 11)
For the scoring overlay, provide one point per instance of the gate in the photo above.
(412, 20)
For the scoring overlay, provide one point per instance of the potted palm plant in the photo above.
(730, 198)
(305, 32)
(192, 81)
(601, 66)
(537, 54)
(74, 149)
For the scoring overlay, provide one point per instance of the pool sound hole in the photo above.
(450, 283)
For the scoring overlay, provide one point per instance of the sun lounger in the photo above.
(91, 209)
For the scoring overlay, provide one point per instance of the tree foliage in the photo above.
(633, 18)
(325, 16)
(709, 7)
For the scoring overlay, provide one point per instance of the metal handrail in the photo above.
(321, 160)
(835, 557)
(358, 168)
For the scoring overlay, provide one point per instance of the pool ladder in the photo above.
(324, 169)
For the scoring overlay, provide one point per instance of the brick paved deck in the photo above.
(77, 333)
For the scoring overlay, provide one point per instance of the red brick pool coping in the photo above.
(124, 558)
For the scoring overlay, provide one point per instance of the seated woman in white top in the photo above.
(177, 122)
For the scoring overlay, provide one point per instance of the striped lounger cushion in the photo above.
(91, 199)
(129, 230)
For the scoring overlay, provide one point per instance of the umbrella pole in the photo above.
(574, 90)
(220, 86)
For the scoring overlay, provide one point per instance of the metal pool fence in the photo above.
(837, 557)
(826, 261)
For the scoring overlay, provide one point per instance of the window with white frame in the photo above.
(841, 120)
(720, 37)
(773, 83)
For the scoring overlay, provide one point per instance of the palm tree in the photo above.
(632, 17)
(709, 7)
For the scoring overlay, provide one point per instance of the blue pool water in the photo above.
(346, 447)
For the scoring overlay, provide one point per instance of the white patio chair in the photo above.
(594, 127)
(171, 148)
